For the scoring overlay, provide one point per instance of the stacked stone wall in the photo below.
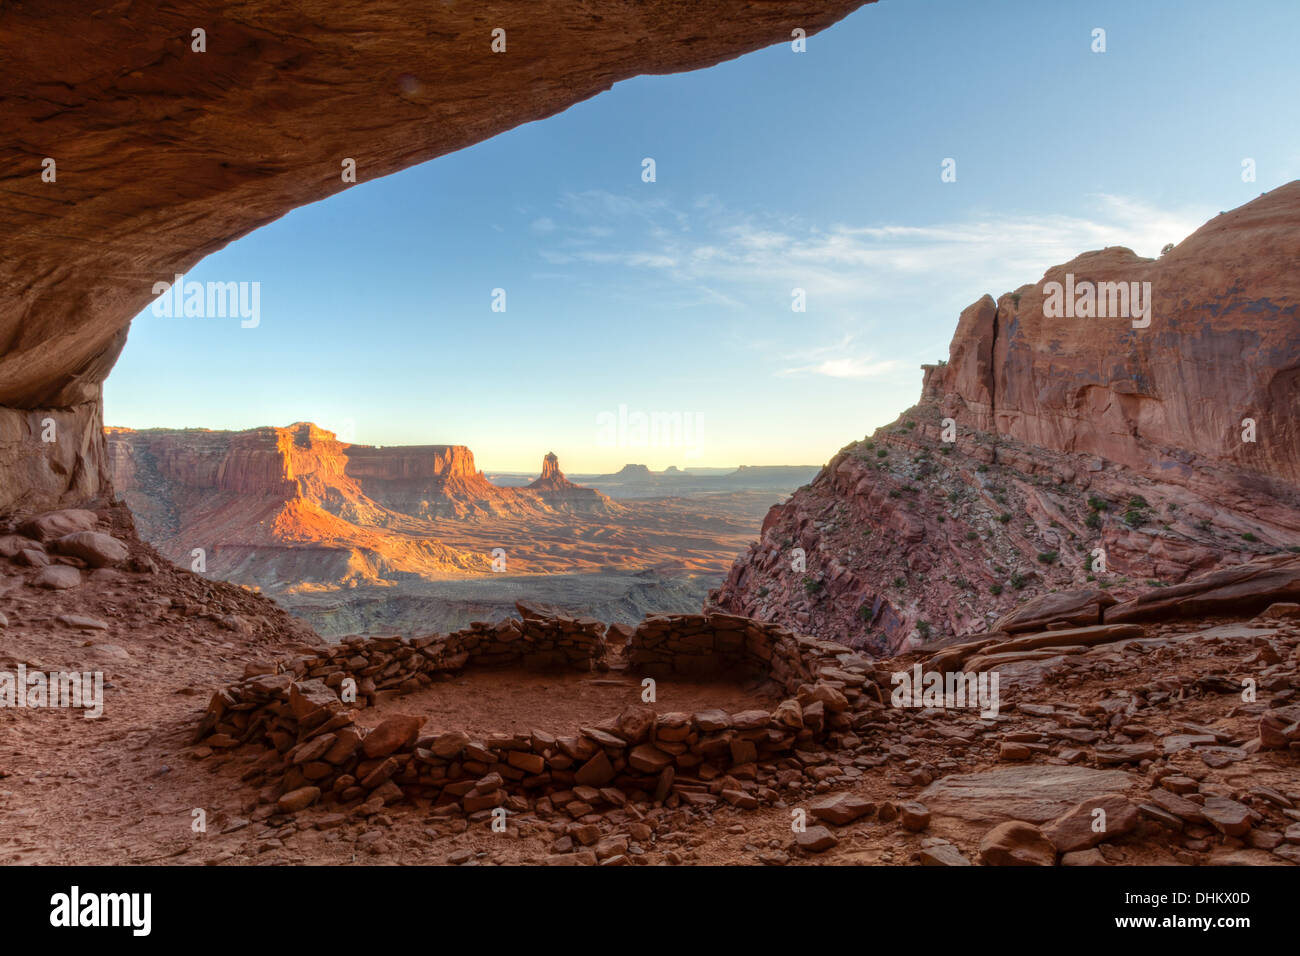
(302, 713)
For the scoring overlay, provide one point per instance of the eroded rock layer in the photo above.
(277, 506)
(1088, 454)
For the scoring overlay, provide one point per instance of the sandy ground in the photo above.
(510, 700)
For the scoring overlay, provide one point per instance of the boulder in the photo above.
(1239, 589)
(57, 577)
(56, 524)
(1095, 820)
(1282, 610)
(12, 544)
(97, 549)
(394, 733)
(1037, 793)
(1082, 607)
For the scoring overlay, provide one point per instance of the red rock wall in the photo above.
(1073, 434)
(1223, 345)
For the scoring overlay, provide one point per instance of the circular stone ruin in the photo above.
(384, 719)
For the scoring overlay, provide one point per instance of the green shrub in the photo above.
(1004, 517)
(995, 589)
(1047, 557)
(1249, 537)
(1093, 520)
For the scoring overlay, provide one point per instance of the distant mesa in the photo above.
(276, 505)
(634, 473)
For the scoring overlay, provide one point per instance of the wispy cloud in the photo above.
(709, 244)
(845, 358)
(852, 274)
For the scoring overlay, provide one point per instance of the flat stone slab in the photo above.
(1032, 792)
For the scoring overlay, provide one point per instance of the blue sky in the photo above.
(779, 170)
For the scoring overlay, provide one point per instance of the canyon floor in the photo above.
(1159, 721)
(655, 556)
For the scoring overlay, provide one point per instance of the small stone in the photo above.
(450, 745)
(393, 734)
(647, 758)
(815, 839)
(944, 854)
(1179, 784)
(299, 799)
(636, 723)
(1089, 857)
(915, 816)
(1288, 852)
(1009, 752)
(740, 799)
(82, 622)
(529, 763)
(1016, 843)
(841, 808)
(1227, 816)
(596, 772)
